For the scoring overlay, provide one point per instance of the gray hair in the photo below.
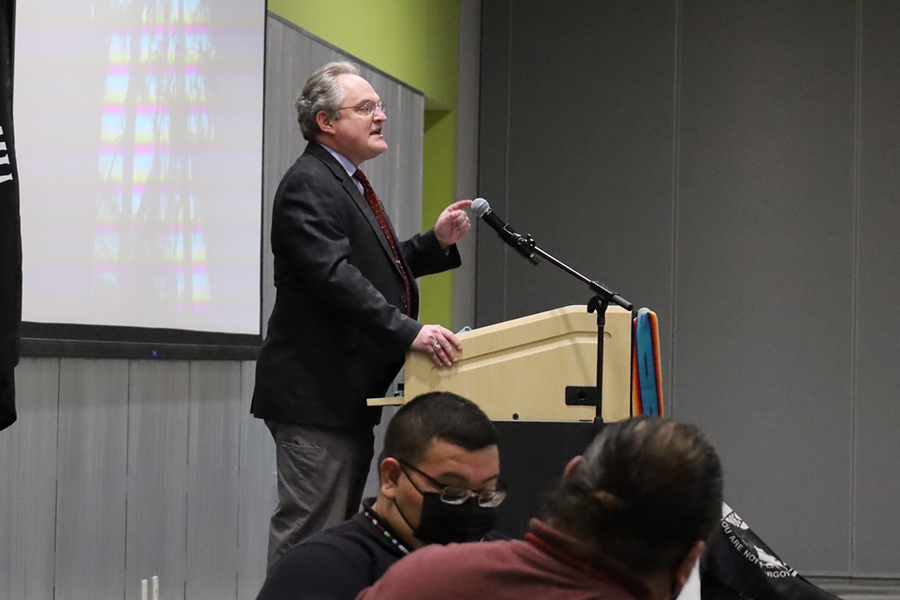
(322, 92)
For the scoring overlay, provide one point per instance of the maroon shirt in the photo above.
(547, 564)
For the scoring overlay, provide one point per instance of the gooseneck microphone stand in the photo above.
(598, 303)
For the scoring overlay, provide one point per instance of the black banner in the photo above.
(10, 229)
(738, 565)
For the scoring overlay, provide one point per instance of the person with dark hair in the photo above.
(627, 521)
(345, 309)
(440, 483)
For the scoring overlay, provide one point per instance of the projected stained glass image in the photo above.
(139, 139)
(155, 130)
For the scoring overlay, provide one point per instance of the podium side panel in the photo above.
(532, 458)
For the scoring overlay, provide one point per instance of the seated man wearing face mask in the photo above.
(627, 521)
(439, 474)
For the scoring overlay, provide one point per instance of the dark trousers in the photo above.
(322, 473)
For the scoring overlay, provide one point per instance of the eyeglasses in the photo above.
(368, 108)
(454, 494)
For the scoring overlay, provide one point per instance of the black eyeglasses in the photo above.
(368, 108)
(455, 494)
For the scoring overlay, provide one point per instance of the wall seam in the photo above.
(676, 110)
(56, 477)
(187, 462)
(509, 44)
(854, 297)
(478, 192)
(242, 423)
(127, 466)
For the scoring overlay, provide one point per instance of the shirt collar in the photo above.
(345, 162)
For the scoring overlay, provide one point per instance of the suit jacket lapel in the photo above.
(360, 201)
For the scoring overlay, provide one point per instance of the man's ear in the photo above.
(389, 475)
(573, 464)
(683, 572)
(324, 122)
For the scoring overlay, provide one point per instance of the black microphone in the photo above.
(481, 208)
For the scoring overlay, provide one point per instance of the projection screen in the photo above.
(139, 141)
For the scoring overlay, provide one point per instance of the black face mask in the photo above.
(443, 523)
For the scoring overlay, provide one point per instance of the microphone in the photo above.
(481, 208)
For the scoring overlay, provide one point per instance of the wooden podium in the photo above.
(520, 369)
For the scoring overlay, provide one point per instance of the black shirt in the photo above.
(335, 564)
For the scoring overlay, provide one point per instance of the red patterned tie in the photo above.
(375, 205)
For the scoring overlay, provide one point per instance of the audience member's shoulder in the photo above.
(435, 555)
(346, 537)
(329, 564)
(434, 566)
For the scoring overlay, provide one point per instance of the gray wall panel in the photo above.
(713, 168)
(877, 534)
(282, 142)
(28, 484)
(258, 496)
(467, 154)
(493, 143)
(157, 476)
(216, 410)
(589, 170)
(764, 262)
(93, 428)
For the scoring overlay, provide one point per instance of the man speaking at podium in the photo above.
(345, 307)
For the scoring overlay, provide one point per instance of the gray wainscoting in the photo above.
(121, 470)
(28, 468)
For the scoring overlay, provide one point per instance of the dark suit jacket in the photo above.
(338, 333)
